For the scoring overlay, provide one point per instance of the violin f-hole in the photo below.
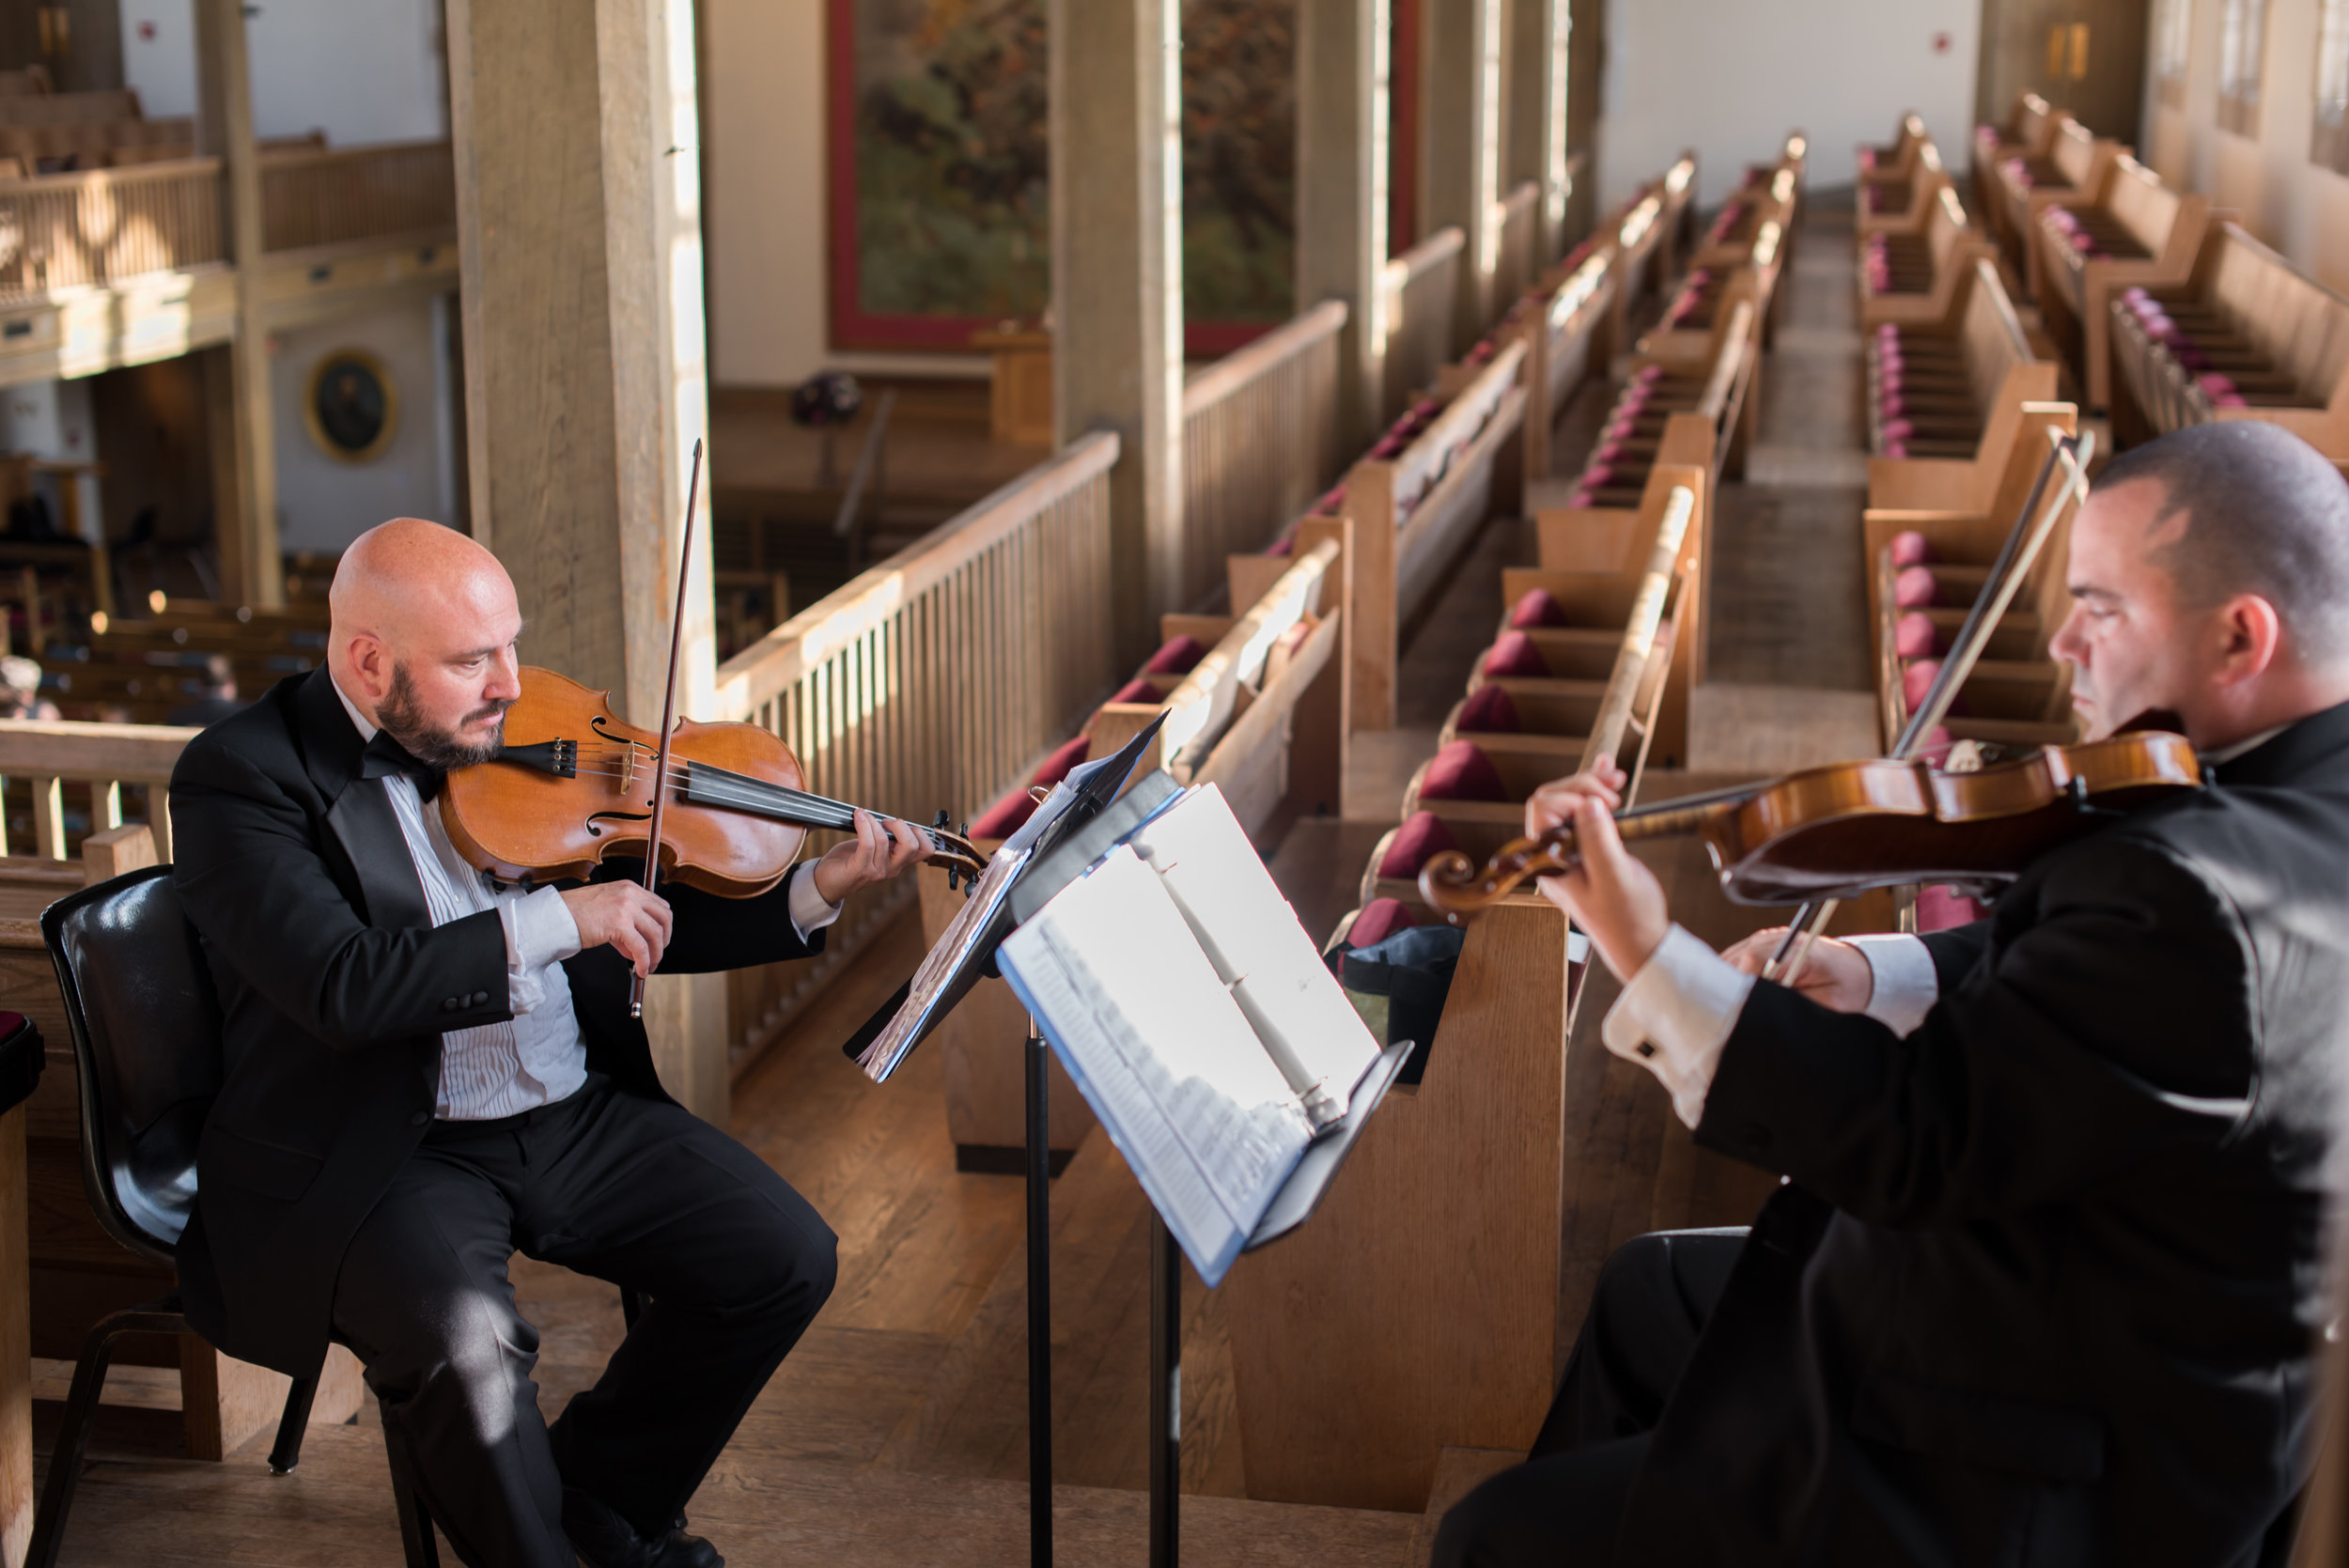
(594, 818)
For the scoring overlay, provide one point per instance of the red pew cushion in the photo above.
(1422, 836)
(1515, 655)
(1380, 918)
(1461, 772)
(1490, 710)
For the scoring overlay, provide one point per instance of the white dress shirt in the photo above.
(536, 1057)
(1677, 1012)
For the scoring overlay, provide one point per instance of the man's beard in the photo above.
(435, 747)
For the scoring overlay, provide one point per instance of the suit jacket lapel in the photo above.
(358, 810)
(2312, 750)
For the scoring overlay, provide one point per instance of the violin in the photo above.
(1833, 831)
(720, 807)
(575, 783)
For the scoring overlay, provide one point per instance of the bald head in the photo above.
(422, 641)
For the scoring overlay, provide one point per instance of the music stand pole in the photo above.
(1040, 1087)
(1166, 1393)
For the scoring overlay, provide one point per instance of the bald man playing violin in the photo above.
(427, 1071)
(2046, 1279)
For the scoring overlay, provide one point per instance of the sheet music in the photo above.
(1251, 935)
(1163, 1055)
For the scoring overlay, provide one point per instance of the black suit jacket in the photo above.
(335, 988)
(2046, 1287)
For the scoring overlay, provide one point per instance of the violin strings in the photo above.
(727, 787)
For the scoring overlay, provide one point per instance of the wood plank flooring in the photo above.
(895, 1434)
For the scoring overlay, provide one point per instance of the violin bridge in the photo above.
(627, 768)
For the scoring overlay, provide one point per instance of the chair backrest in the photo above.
(146, 1027)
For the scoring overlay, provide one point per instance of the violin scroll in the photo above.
(1454, 885)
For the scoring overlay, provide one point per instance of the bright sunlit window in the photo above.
(2242, 59)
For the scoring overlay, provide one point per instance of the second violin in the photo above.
(1827, 833)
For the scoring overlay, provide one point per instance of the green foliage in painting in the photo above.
(951, 127)
(952, 201)
(1239, 158)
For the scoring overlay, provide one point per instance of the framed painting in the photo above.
(940, 221)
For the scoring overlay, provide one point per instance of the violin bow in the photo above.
(668, 716)
(2024, 542)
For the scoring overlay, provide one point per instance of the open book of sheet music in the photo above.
(1196, 1016)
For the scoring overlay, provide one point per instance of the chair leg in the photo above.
(81, 1413)
(285, 1453)
(416, 1543)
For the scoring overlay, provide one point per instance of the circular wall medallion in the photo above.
(351, 407)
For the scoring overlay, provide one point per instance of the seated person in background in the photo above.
(215, 700)
(19, 689)
(428, 1073)
(2045, 1281)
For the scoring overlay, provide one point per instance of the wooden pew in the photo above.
(1906, 207)
(1434, 1262)
(2029, 134)
(2131, 231)
(1565, 335)
(2017, 694)
(1944, 402)
(2073, 170)
(2278, 339)
(1595, 578)
(1261, 716)
(1708, 375)
(1413, 511)
(1911, 277)
(1895, 162)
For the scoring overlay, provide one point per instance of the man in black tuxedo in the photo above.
(427, 1071)
(2046, 1281)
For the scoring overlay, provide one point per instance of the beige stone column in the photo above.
(1459, 176)
(245, 529)
(1117, 281)
(579, 226)
(1538, 32)
(1586, 67)
(1342, 87)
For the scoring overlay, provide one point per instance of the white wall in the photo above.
(323, 503)
(1731, 77)
(53, 420)
(2266, 180)
(765, 207)
(361, 70)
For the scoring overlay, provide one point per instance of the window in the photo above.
(2174, 31)
(2329, 143)
(2242, 56)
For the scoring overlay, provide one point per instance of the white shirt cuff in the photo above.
(1905, 984)
(539, 931)
(1674, 1017)
(809, 914)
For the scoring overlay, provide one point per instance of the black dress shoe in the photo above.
(604, 1539)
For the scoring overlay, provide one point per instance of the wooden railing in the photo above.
(1516, 262)
(70, 230)
(363, 192)
(936, 681)
(1260, 440)
(105, 760)
(67, 231)
(1422, 285)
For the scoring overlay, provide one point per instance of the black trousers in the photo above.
(1560, 1507)
(733, 1266)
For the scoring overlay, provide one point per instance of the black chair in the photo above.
(147, 1044)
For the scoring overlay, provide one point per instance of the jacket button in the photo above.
(480, 999)
(450, 1004)
(419, 1119)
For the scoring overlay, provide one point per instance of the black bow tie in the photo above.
(384, 757)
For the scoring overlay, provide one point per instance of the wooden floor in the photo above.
(896, 1433)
